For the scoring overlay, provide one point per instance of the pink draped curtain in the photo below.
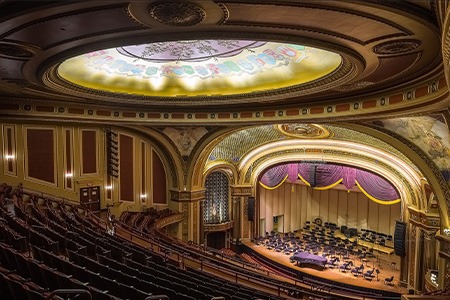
(322, 175)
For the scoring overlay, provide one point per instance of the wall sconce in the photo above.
(9, 157)
(109, 187)
(69, 175)
(143, 196)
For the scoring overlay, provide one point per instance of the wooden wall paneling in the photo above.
(395, 215)
(315, 203)
(294, 208)
(362, 210)
(40, 155)
(302, 204)
(159, 180)
(342, 208)
(287, 206)
(89, 152)
(384, 217)
(262, 202)
(352, 209)
(373, 216)
(269, 210)
(275, 196)
(306, 201)
(324, 205)
(333, 207)
(126, 168)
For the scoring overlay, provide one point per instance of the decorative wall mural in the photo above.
(185, 138)
(429, 133)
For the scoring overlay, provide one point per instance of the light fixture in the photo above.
(143, 196)
(109, 187)
(69, 175)
(9, 157)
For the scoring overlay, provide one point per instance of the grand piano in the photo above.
(304, 258)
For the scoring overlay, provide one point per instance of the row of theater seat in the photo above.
(68, 250)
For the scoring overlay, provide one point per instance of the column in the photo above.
(420, 274)
(236, 218)
(429, 250)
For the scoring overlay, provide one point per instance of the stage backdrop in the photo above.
(300, 203)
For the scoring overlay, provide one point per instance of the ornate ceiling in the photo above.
(382, 59)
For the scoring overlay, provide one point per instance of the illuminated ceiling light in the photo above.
(199, 68)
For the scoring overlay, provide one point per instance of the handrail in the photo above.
(69, 291)
(156, 297)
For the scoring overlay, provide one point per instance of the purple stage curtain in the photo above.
(323, 175)
(274, 176)
(292, 172)
(327, 174)
(306, 170)
(349, 177)
(376, 186)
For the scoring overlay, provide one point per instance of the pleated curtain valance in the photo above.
(324, 176)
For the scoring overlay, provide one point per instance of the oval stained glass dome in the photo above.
(199, 67)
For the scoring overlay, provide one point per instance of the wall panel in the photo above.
(324, 203)
(342, 209)
(158, 180)
(89, 152)
(126, 167)
(333, 206)
(352, 209)
(373, 220)
(40, 154)
(315, 202)
(384, 212)
(363, 206)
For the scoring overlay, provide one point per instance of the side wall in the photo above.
(60, 160)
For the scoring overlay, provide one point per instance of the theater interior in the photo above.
(231, 149)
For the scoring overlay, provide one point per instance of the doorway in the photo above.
(216, 240)
(90, 198)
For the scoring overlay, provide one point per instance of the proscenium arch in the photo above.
(272, 153)
(422, 161)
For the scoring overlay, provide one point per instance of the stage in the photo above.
(382, 262)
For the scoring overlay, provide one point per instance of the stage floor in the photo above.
(383, 264)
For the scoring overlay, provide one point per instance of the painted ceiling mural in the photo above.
(185, 138)
(199, 67)
(430, 133)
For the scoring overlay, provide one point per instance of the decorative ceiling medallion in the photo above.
(196, 50)
(304, 131)
(396, 47)
(12, 50)
(177, 13)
